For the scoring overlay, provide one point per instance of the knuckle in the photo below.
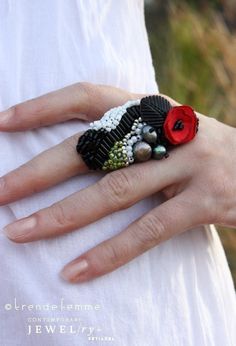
(210, 210)
(117, 188)
(4, 183)
(16, 110)
(108, 256)
(87, 90)
(222, 193)
(59, 216)
(206, 210)
(203, 149)
(16, 114)
(31, 177)
(86, 86)
(105, 258)
(219, 187)
(150, 230)
(20, 180)
(111, 253)
(69, 144)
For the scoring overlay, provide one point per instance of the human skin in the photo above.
(197, 180)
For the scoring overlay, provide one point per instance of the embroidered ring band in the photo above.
(136, 132)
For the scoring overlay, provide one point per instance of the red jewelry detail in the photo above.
(181, 125)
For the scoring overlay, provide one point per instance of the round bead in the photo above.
(142, 151)
(133, 139)
(139, 137)
(149, 134)
(159, 152)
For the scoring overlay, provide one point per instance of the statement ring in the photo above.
(137, 131)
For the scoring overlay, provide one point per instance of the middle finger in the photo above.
(46, 169)
(116, 191)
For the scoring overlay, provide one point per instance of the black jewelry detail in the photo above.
(178, 125)
(145, 130)
(154, 110)
(95, 145)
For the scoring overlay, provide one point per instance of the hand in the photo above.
(198, 181)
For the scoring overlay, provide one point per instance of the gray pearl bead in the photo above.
(159, 152)
(142, 151)
(149, 134)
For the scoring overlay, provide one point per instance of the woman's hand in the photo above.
(198, 181)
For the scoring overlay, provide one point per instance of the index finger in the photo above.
(85, 101)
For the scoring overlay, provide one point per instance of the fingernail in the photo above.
(72, 272)
(6, 115)
(20, 228)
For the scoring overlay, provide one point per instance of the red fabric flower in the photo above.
(180, 125)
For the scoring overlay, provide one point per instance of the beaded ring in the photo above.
(136, 132)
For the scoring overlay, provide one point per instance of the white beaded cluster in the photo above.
(112, 118)
(131, 138)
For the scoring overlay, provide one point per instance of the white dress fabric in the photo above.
(178, 293)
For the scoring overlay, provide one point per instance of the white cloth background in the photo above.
(178, 293)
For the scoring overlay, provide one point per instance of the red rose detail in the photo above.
(180, 125)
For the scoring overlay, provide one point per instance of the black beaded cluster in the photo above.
(154, 110)
(95, 145)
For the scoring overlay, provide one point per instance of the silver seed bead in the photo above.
(142, 151)
(133, 139)
(149, 134)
